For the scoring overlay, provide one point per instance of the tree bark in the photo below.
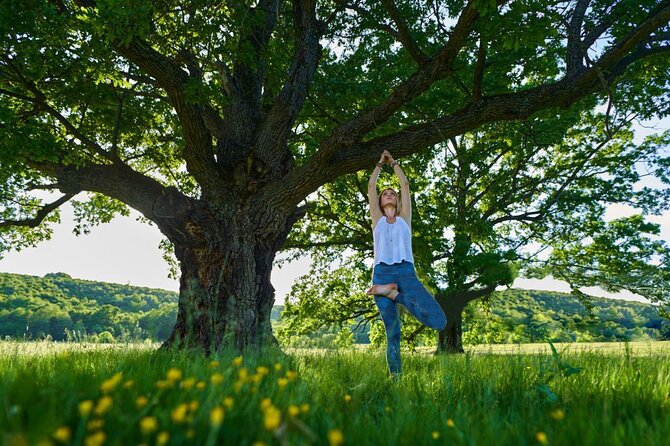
(451, 338)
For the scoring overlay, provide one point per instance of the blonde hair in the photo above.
(397, 201)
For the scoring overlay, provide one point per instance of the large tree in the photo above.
(216, 120)
(511, 199)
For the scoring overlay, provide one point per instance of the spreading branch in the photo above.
(39, 216)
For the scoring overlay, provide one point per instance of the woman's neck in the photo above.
(390, 213)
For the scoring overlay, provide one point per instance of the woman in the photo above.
(394, 279)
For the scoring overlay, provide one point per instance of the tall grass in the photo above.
(330, 397)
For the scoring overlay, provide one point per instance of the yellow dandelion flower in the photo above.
(148, 425)
(179, 413)
(293, 410)
(335, 437)
(265, 403)
(216, 416)
(128, 384)
(257, 378)
(163, 384)
(45, 442)
(201, 385)
(558, 414)
(243, 374)
(436, 435)
(162, 438)
(237, 386)
(272, 418)
(62, 434)
(95, 424)
(228, 402)
(541, 437)
(188, 383)
(258, 443)
(104, 404)
(141, 401)
(282, 382)
(174, 374)
(262, 370)
(216, 379)
(193, 405)
(304, 407)
(214, 364)
(96, 439)
(277, 366)
(291, 375)
(237, 361)
(85, 408)
(347, 398)
(110, 384)
(450, 422)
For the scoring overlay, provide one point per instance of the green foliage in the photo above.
(62, 308)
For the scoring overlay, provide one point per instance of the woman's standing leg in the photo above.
(389, 312)
(388, 309)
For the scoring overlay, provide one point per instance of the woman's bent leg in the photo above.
(420, 303)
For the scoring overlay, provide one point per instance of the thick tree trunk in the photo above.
(451, 338)
(225, 296)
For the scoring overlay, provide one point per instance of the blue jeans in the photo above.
(413, 296)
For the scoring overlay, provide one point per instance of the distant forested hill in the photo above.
(64, 308)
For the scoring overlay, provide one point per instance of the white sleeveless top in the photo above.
(392, 242)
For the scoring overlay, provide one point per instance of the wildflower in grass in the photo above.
(558, 414)
(128, 384)
(265, 403)
(216, 379)
(243, 374)
(272, 418)
(141, 401)
(228, 402)
(335, 437)
(277, 366)
(45, 442)
(187, 384)
(541, 437)
(237, 361)
(62, 434)
(291, 375)
(104, 404)
(95, 424)
(304, 408)
(262, 370)
(201, 385)
(347, 398)
(436, 435)
(293, 410)
(257, 378)
(163, 384)
(85, 408)
(450, 422)
(96, 439)
(213, 364)
(193, 405)
(162, 438)
(110, 384)
(282, 382)
(148, 425)
(258, 443)
(174, 374)
(216, 416)
(179, 413)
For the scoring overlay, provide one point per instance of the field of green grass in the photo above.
(518, 395)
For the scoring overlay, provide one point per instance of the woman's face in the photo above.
(389, 196)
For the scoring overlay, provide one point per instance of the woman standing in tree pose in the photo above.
(394, 279)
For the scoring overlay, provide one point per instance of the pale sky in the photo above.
(126, 251)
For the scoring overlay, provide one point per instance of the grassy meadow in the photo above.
(53, 394)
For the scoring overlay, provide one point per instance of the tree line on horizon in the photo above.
(62, 308)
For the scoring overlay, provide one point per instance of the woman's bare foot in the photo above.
(389, 290)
